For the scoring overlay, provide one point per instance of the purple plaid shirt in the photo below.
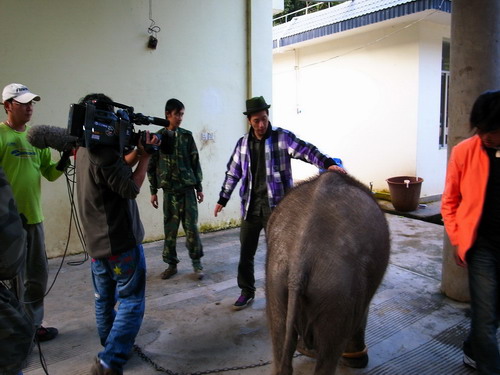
(280, 147)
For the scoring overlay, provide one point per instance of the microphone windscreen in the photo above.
(43, 136)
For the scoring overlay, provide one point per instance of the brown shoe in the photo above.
(169, 272)
(98, 369)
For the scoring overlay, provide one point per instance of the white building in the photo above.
(363, 81)
(211, 54)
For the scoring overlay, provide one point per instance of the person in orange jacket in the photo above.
(471, 214)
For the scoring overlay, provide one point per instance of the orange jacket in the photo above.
(464, 193)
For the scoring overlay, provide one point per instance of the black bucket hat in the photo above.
(256, 104)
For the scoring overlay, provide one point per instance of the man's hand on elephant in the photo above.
(336, 168)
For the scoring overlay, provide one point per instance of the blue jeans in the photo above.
(484, 281)
(119, 278)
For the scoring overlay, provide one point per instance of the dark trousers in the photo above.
(484, 283)
(35, 273)
(249, 240)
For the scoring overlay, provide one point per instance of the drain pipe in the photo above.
(249, 77)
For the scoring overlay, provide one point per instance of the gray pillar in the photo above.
(474, 59)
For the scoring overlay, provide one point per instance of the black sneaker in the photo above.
(468, 358)
(46, 334)
(242, 302)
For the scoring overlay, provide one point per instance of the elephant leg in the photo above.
(356, 353)
(326, 363)
(276, 312)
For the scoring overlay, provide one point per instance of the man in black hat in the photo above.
(262, 161)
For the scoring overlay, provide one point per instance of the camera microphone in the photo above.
(159, 121)
(43, 136)
(140, 119)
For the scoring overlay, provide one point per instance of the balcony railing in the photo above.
(306, 10)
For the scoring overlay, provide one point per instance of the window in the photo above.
(445, 87)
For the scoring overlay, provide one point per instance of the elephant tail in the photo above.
(290, 344)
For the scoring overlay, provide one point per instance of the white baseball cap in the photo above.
(18, 92)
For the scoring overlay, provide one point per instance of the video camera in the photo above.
(95, 124)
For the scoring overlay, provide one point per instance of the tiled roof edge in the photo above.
(364, 20)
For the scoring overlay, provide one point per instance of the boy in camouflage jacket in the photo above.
(176, 169)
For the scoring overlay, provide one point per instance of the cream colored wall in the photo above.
(64, 49)
(373, 104)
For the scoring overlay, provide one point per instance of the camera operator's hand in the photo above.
(143, 156)
(143, 148)
(151, 141)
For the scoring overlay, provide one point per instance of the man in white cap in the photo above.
(24, 165)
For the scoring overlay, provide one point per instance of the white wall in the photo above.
(373, 104)
(431, 159)
(64, 49)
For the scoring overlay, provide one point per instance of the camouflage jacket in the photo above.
(176, 166)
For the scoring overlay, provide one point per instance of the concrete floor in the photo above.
(189, 326)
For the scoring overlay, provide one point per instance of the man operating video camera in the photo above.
(107, 187)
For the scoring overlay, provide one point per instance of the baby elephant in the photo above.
(328, 249)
